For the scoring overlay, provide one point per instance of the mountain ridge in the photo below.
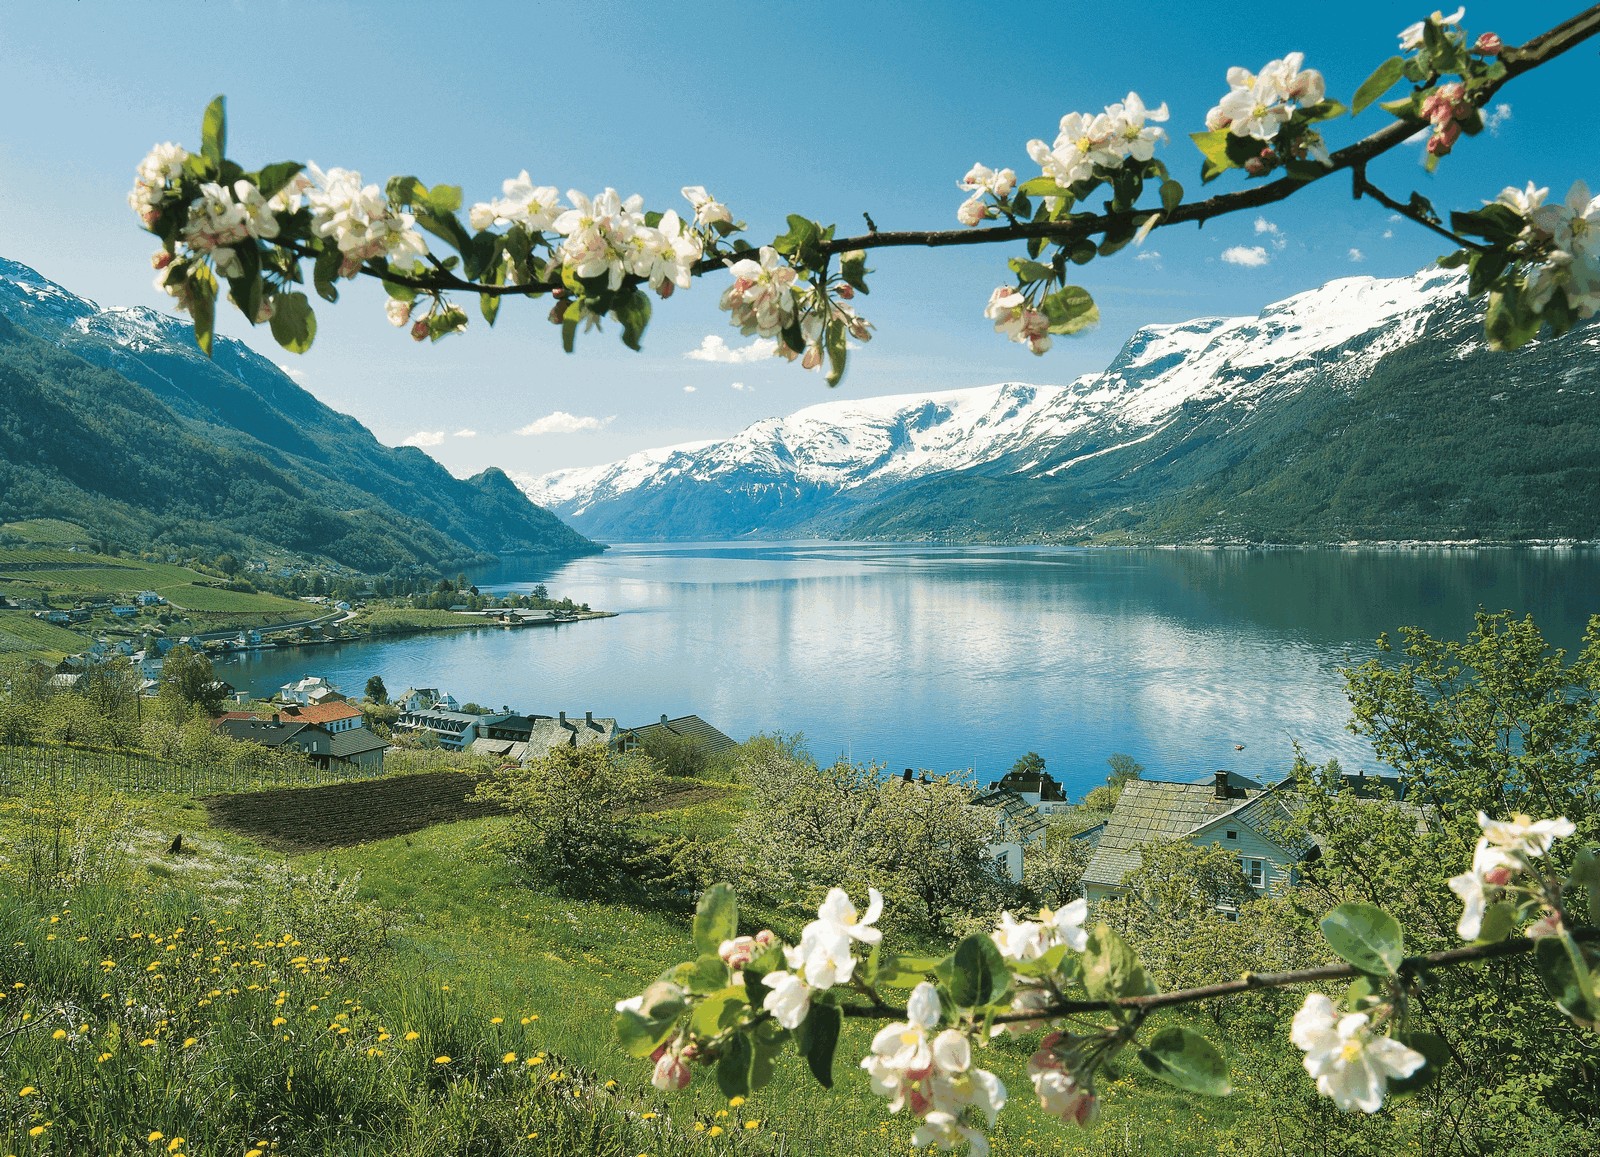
(1151, 448)
(239, 450)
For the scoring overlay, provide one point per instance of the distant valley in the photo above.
(1317, 421)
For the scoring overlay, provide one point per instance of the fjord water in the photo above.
(954, 658)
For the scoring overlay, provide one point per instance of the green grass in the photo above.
(394, 620)
(20, 631)
(461, 942)
(46, 531)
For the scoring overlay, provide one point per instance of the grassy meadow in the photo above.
(409, 995)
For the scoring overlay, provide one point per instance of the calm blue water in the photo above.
(955, 658)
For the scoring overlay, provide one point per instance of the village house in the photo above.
(690, 727)
(312, 689)
(1040, 790)
(455, 730)
(520, 738)
(353, 746)
(1228, 809)
(425, 699)
(336, 718)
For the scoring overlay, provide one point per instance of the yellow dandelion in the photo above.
(699, 1126)
(611, 1084)
(721, 1113)
(752, 1124)
(441, 1059)
(155, 1135)
(175, 1144)
(277, 1020)
(102, 1058)
(37, 1130)
(189, 1042)
(27, 1091)
(714, 1131)
(497, 1020)
(59, 1034)
(255, 1153)
(509, 1059)
(647, 1116)
(735, 1102)
(413, 1035)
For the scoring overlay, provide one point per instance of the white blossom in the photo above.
(930, 1077)
(360, 220)
(1259, 106)
(1060, 1092)
(156, 180)
(1014, 317)
(1028, 940)
(788, 998)
(599, 234)
(666, 254)
(761, 297)
(397, 311)
(215, 220)
(1491, 867)
(1573, 224)
(534, 207)
(982, 179)
(1411, 36)
(1522, 202)
(707, 210)
(1351, 1063)
(1522, 835)
(946, 1131)
(1128, 127)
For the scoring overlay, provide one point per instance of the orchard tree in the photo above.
(376, 692)
(1528, 889)
(1100, 188)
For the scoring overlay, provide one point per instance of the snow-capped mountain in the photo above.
(1177, 405)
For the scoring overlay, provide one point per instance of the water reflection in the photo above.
(950, 658)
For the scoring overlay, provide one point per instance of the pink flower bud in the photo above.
(160, 259)
(1255, 166)
(845, 291)
(738, 952)
(670, 1073)
(419, 329)
(766, 938)
(1497, 877)
(664, 290)
(558, 313)
(1488, 45)
(812, 358)
(1547, 925)
(397, 311)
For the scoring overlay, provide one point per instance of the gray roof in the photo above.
(1018, 811)
(271, 733)
(1154, 811)
(705, 736)
(548, 734)
(354, 741)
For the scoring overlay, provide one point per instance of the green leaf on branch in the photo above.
(633, 311)
(273, 178)
(642, 1032)
(1407, 108)
(214, 132)
(1042, 187)
(489, 306)
(853, 265)
(1383, 78)
(1324, 111)
(1029, 271)
(1499, 921)
(978, 974)
(1070, 309)
(716, 918)
(1567, 979)
(1111, 969)
(294, 324)
(904, 971)
(817, 1038)
(443, 199)
(733, 1067)
(1186, 1059)
(1510, 322)
(718, 1012)
(1171, 195)
(706, 973)
(325, 271)
(570, 318)
(1365, 936)
(838, 352)
(1213, 147)
(766, 1041)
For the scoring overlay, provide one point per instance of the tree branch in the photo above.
(1253, 981)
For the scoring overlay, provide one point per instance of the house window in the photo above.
(1233, 835)
(1255, 872)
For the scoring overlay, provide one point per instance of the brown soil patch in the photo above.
(314, 819)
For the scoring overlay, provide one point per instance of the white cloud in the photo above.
(714, 349)
(690, 389)
(742, 386)
(561, 422)
(1250, 256)
(424, 438)
(1357, 256)
(1265, 226)
(1388, 234)
(466, 434)
(1149, 255)
(297, 375)
(1498, 116)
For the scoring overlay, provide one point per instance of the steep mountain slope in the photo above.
(114, 420)
(1366, 409)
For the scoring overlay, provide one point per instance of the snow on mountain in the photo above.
(781, 472)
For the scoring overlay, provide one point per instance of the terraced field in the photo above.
(340, 815)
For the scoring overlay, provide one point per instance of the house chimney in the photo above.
(1221, 791)
(275, 717)
(588, 718)
(906, 775)
(663, 721)
(563, 718)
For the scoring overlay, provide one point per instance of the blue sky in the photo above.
(827, 109)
